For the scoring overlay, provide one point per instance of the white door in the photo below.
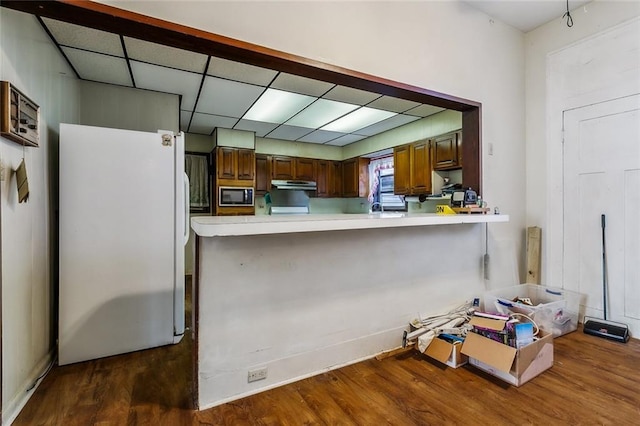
(117, 242)
(602, 176)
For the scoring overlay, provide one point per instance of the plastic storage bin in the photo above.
(555, 310)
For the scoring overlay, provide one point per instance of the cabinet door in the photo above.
(402, 170)
(445, 152)
(322, 178)
(420, 168)
(350, 178)
(246, 164)
(355, 177)
(305, 169)
(263, 180)
(226, 162)
(335, 179)
(282, 168)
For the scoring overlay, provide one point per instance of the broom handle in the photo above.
(604, 269)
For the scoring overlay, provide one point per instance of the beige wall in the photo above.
(107, 105)
(34, 66)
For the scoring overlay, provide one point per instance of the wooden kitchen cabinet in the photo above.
(402, 170)
(263, 175)
(305, 169)
(235, 163)
(355, 177)
(445, 151)
(420, 177)
(246, 164)
(335, 179)
(282, 167)
(329, 178)
(412, 169)
(322, 178)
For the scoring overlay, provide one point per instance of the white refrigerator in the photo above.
(123, 224)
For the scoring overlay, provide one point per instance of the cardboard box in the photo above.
(447, 353)
(514, 366)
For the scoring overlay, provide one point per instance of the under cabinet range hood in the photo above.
(288, 202)
(306, 185)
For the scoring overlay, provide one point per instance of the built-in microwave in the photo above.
(235, 196)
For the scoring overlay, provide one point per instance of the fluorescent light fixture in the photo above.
(358, 119)
(320, 113)
(277, 106)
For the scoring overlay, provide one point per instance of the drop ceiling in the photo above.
(216, 92)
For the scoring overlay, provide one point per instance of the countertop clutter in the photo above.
(222, 226)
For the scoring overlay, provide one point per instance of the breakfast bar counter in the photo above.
(286, 297)
(223, 226)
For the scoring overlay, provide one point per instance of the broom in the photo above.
(604, 328)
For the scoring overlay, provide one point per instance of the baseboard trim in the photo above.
(13, 408)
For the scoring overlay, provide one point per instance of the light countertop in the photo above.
(224, 226)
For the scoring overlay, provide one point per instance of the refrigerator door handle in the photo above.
(186, 208)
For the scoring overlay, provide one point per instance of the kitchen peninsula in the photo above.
(300, 295)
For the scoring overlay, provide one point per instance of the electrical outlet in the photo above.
(257, 374)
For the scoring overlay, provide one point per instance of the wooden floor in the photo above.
(593, 381)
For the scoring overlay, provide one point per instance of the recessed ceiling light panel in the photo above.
(358, 119)
(277, 106)
(320, 113)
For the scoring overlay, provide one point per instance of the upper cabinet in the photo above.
(355, 177)
(329, 178)
(235, 163)
(420, 168)
(282, 167)
(305, 169)
(263, 166)
(447, 151)
(402, 170)
(412, 169)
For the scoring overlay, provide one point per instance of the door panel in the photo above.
(601, 162)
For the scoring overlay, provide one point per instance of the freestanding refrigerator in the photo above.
(123, 215)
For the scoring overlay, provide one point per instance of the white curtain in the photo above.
(197, 169)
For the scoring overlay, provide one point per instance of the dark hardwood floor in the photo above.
(593, 381)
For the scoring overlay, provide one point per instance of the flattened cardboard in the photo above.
(440, 350)
(489, 351)
(491, 324)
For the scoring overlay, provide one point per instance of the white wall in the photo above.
(444, 46)
(543, 176)
(34, 66)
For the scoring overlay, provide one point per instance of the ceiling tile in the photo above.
(350, 96)
(424, 110)
(388, 124)
(301, 85)
(99, 67)
(205, 123)
(185, 117)
(258, 127)
(225, 97)
(346, 140)
(168, 80)
(158, 54)
(320, 136)
(84, 38)
(237, 71)
(289, 133)
(277, 106)
(393, 104)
